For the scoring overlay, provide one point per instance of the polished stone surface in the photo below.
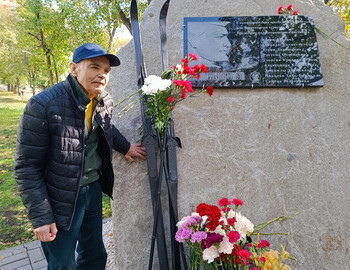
(255, 51)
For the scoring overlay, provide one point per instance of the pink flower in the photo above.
(171, 99)
(188, 86)
(249, 245)
(263, 259)
(191, 71)
(280, 9)
(233, 236)
(296, 12)
(290, 7)
(210, 90)
(237, 202)
(182, 234)
(193, 56)
(224, 202)
(198, 236)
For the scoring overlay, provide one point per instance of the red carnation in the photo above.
(280, 9)
(244, 254)
(186, 69)
(233, 236)
(202, 209)
(197, 68)
(231, 221)
(204, 68)
(171, 99)
(210, 90)
(193, 56)
(224, 201)
(185, 60)
(263, 243)
(237, 202)
(191, 71)
(296, 12)
(290, 7)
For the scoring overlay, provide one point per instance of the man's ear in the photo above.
(73, 69)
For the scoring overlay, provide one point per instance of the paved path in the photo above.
(23, 257)
(31, 257)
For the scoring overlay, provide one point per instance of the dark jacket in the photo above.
(50, 153)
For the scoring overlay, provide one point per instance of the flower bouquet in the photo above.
(220, 239)
(164, 92)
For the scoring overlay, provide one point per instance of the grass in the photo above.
(15, 228)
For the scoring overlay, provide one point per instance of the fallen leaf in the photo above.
(110, 234)
(2, 257)
(18, 242)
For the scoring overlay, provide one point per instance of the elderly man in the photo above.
(63, 161)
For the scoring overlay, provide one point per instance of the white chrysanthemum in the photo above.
(209, 254)
(153, 84)
(225, 246)
(243, 225)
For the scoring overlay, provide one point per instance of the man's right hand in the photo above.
(46, 233)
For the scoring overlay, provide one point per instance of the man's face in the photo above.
(92, 74)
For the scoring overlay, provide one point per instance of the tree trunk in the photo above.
(125, 20)
(55, 66)
(46, 50)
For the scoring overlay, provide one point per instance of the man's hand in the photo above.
(46, 233)
(136, 150)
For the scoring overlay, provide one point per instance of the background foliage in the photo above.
(37, 37)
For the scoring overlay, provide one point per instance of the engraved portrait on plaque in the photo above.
(255, 51)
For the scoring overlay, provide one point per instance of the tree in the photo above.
(342, 7)
(44, 33)
(113, 14)
(11, 68)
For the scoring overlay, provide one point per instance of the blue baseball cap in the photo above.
(92, 50)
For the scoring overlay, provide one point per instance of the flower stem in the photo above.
(281, 218)
(328, 36)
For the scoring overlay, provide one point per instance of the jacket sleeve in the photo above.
(120, 143)
(30, 163)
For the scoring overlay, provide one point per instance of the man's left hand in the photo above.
(136, 150)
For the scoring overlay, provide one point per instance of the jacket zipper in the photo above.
(81, 174)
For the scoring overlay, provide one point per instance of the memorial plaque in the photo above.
(258, 51)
